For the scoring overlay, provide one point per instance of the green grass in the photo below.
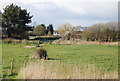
(101, 56)
(17, 52)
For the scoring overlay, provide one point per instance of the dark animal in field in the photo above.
(39, 53)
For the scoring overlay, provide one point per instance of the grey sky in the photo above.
(76, 12)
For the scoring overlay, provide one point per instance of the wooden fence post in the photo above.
(12, 66)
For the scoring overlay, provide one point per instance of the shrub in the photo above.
(8, 40)
(39, 53)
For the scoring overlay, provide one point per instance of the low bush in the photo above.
(12, 40)
(8, 40)
(39, 53)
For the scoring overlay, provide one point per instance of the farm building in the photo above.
(77, 34)
(56, 33)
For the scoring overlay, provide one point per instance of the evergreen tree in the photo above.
(50, 28)
(14, 20)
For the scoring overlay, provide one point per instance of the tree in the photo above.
(39, 30)
(45, 28)
(68, 36)
(49, 33)
(103, 32)
(14, 20)
(78, 28)
(50, 29)
(65, 29)
(43, 25)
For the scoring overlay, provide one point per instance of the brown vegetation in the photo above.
(12, 40)
(56, 70)
(80, 42)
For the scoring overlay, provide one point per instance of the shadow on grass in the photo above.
(53, 59)
(7, 76)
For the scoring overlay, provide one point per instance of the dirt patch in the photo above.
(28, 46)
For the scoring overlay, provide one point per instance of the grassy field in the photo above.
(20, 55)
(101, 56)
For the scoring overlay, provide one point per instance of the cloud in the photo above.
(78, 12)
(71, 6)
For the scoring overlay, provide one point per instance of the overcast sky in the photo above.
(76, 12)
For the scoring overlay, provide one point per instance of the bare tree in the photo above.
(102, 32)
(65, 29)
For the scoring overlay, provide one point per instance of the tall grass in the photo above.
(57, 70)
